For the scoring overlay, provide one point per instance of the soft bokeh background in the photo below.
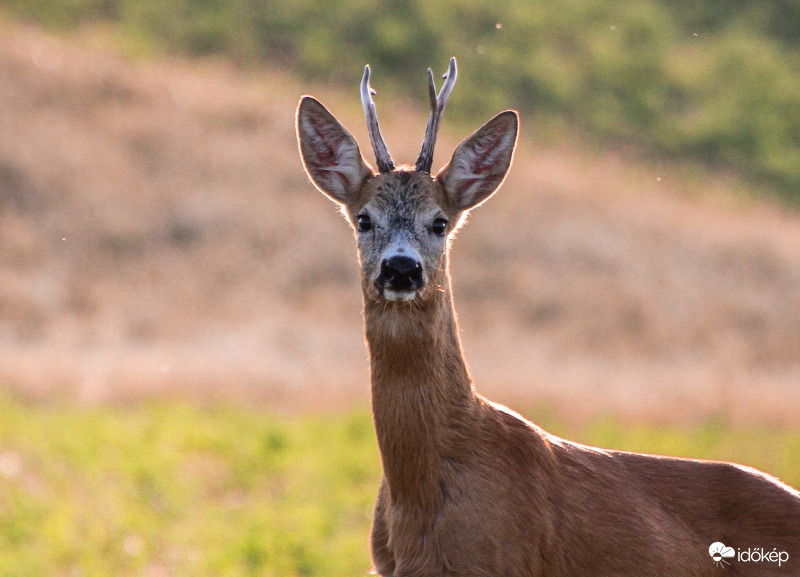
(158, 236)
(183, 380)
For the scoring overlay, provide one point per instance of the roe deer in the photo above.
(470, 488)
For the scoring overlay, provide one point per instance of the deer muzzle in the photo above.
(400, 278)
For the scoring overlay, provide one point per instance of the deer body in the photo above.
(469, 487)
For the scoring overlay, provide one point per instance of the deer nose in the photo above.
(400, 273)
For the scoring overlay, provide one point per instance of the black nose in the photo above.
(400, 273)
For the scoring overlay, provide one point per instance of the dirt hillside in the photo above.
(158, 237)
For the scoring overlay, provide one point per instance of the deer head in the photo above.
(403, 217)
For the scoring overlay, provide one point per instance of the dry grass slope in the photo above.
(158, 237)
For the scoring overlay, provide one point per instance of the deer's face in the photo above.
(402, 229)
(403, 217)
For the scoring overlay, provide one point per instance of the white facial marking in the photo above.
(393, 295)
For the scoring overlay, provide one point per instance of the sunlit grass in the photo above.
(115, 491)
(174, 489)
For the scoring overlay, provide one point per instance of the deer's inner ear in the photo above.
(330, 154)
(480, 163)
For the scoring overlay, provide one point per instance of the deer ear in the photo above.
(330, 154)
(480, 163)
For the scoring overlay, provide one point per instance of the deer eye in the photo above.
(364, 223)
(439, 226)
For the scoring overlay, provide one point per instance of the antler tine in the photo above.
(385, 163)
(431, 89)
(425, 159)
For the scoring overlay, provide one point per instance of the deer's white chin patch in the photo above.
(394, 295)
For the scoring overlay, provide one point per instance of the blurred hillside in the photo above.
(714, 82)
(158, 237)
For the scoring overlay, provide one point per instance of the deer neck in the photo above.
(422, 395)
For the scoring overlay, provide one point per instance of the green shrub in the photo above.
(715, 82)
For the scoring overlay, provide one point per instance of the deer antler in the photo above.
(425, 159)
(385, 163)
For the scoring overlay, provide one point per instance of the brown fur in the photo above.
(469, 487)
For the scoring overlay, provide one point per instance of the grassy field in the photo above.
(175, 489)
(169, 489)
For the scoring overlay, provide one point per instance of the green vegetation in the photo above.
(715, 82)
(170, 488)
(215, 492)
